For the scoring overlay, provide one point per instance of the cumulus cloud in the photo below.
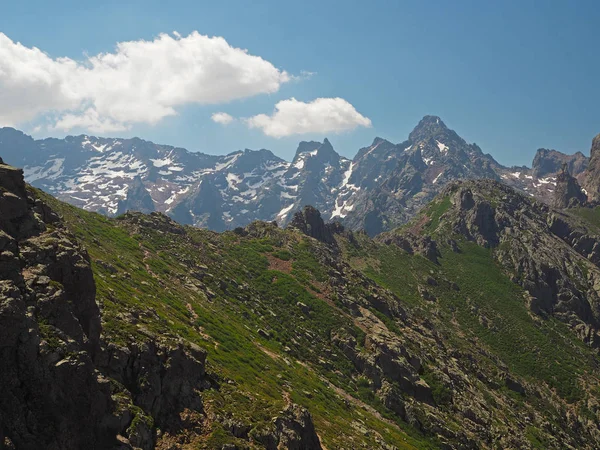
(222, 118)
(322, 115)
(140, 82)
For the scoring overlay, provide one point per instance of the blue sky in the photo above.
(511, 76)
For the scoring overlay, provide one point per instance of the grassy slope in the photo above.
(142, 277)
(591, 216)
(156, 279)
(486, 309)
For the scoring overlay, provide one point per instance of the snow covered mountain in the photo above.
(382, 187)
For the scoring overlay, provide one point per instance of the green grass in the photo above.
(543, 350)
(538, 350)
(435, 210)
(159, 278)
(590, 215)
(219, 290)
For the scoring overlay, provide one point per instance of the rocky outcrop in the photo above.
(52, 395)
(292, 429)
(310, 222)
(567, 192)
(163, 379)
(592, 174)
(412, 244)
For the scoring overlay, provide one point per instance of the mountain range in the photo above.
(476, 325)
(382, 187)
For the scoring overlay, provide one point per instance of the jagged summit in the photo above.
(592, 174)
(383, 186)
(428, 127)
(549, 162)
(313, 148)
(379, 140)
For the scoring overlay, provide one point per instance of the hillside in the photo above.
(474, 326)
(383, 186)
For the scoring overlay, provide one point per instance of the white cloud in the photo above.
(222, 118)
(140, 82)
(322, 115)
(89, 120)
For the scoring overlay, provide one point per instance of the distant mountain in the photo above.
(591, 177)
(477, 326)
(382, 187)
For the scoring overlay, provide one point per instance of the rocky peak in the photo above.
(250, 160)
(322, 152)
(379, 140)
(428, 127)
(592, 174)
(595, 152)
(310, 222)
(308, 147)
(548, 162)
(567, 192)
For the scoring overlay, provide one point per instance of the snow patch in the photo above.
(285, 211)
(35, 173)
(162, 162)
(442, 147)
(233, 180)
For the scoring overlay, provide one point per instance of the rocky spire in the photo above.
(568, 192)
(310, 222)
(429, 126)
(592, 175)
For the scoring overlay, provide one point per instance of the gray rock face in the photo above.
(296, 430)
(292, 429)
(550, 162)
(163, 380)
(567, 192)
(49, 330)
(310, 222)
(592, 174)
(412, 244)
